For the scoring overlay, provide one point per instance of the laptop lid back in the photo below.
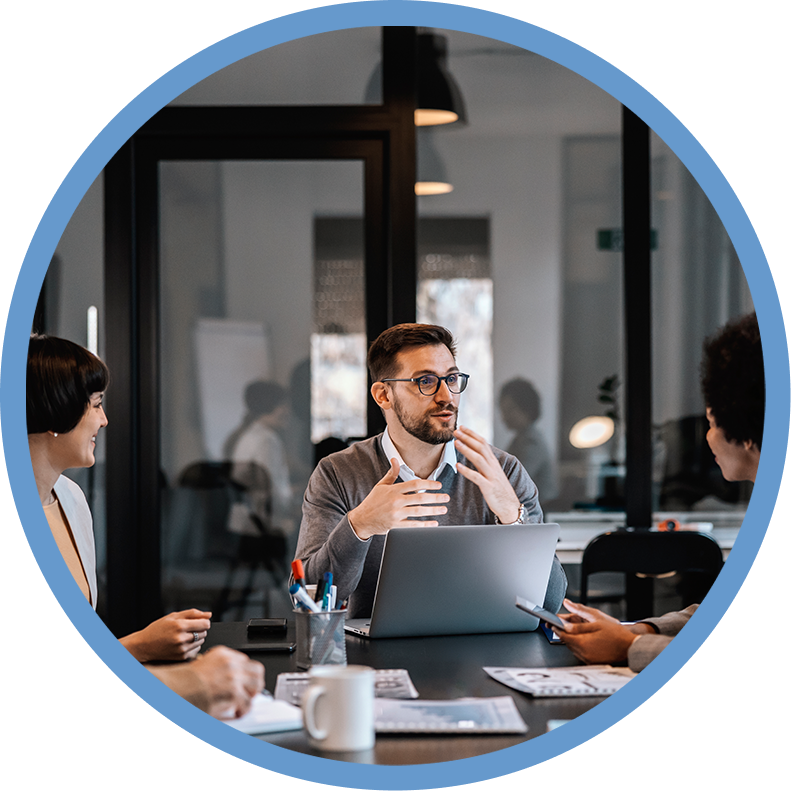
(461, 580)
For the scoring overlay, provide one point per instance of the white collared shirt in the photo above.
(448, 457)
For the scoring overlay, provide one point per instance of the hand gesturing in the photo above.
(488, 475)
(392, 504)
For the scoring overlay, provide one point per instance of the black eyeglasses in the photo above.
(429, 384)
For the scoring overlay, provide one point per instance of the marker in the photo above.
(300, 594)
(298, 571)
(333, 596)
(322, 586)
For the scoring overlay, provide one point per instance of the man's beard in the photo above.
(421, 428)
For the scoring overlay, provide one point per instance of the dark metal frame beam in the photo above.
(637, 316)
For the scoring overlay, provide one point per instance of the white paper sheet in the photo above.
(550, 682)
(268, 716)
(465, 715)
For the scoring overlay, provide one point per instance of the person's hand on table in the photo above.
(174, 637)
(488, 475)
(390, 504)
(231, 680)
(597, 638)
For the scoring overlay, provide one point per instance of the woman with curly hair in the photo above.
(733, 389)
(732, 377)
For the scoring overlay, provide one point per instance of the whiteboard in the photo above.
(230, 355)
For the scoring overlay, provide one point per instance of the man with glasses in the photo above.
(424, 469)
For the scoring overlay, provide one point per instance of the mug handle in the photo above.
(309, 713)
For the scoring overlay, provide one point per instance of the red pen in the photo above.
(298, 571)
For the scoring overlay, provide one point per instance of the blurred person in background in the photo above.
(520, 407)
(256, 445)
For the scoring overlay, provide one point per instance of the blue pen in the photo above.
(298, 592)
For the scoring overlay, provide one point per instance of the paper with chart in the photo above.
(461, 716)
(550, 682)
(387, 684)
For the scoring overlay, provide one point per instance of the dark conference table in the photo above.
(441, 668)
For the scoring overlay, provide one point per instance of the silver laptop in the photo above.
(459, 580)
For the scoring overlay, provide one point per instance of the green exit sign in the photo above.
(612, 239)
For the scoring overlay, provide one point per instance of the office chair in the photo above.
(643, 555)
(198, 514)
(259, 544)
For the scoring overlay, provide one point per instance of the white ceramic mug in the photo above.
(338, 708)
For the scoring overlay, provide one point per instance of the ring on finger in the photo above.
(195, 637)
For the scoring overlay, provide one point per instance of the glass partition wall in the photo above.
(244, 342)
(246, 278)
(698, 285)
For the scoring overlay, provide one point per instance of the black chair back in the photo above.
(650, 554)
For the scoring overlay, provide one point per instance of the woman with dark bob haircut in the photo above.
(65, 388)
(61, 377)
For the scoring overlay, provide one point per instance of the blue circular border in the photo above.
(157, 709)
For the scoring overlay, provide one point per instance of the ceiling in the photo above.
(508, 91)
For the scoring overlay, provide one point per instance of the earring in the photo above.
(54, 433)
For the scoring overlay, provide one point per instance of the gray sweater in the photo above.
(343, 480)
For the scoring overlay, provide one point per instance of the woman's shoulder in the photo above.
(69, 492)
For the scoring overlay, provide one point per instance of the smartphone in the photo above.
(541, 613)
(266, 626)
(552, 638)
(280, 648)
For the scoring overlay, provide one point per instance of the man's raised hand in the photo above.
(488, 475)
(391, 504)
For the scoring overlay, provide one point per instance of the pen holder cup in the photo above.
(321, 639)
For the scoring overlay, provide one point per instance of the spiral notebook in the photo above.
(558, 682)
